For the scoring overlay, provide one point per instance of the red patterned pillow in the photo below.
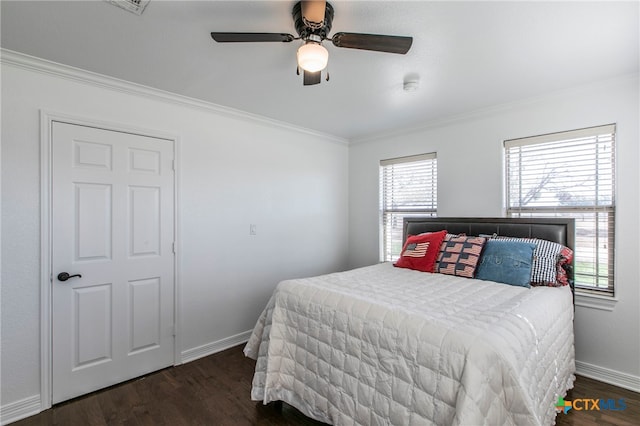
(420, 251)
(565, 258)
(460, 256)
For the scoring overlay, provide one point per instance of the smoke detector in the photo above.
(133, 6)
(411, 83)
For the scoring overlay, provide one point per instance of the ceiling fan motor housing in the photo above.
(304, 30)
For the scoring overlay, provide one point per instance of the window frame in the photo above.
(597, 136)
(387, 239)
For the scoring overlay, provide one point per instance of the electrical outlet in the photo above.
(252, 229)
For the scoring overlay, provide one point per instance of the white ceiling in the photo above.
(468, 55)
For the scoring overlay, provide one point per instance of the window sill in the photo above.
(595, 301)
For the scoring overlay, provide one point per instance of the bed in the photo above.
(382, 345)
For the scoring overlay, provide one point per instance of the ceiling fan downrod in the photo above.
(305, 27)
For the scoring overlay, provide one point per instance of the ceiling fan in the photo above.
(313, 20)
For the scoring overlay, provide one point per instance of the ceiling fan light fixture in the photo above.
(312, 57)
(313, 20)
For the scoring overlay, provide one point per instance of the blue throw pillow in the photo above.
(507, 262)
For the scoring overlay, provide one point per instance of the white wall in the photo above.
(236, 170)
(233, 171)
(470, 183)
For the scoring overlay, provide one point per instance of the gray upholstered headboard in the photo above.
(559, 230)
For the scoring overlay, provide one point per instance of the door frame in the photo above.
(47, 118)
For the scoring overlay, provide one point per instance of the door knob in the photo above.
(63, 276)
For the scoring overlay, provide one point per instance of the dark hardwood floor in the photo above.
(215, 391)
(586, 388)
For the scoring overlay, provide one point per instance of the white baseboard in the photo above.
(21, 409)
(31, 406)
(606, 375)
(214, 347)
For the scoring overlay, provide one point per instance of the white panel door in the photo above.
(113, 227)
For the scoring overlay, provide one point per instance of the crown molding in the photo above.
(44, 66)
(493, 110)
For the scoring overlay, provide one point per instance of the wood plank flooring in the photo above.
(215, 391)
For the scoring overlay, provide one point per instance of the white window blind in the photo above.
(570, 174)
(408, 187)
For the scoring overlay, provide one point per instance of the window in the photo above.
(570, 174)
(408, 187)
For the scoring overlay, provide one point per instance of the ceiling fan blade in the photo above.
(310, 78)
(251, 37)
(313, 12)
(376, 42)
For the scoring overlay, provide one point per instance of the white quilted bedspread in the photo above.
(387, 346)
